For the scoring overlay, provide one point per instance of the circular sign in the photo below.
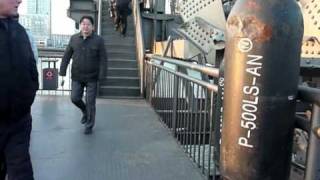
(49, 75)
(245, 45)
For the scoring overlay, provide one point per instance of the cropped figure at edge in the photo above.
(19, 83)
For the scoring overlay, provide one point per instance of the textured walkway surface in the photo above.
(128, 143)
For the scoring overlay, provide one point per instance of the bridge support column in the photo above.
(261, 78)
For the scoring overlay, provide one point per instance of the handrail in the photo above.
(203, 69)
(140, 48)
(186, 106)
(309, 94)
(312, 95)
(51, 52)
(99, 16)
(210, 86)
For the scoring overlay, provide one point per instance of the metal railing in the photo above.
(99, 16)
(51, 58)
(189, 108)
(140, 48)
(312, 127)
(185, 105)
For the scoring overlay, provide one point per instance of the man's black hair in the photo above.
(87, 17)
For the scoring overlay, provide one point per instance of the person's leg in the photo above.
(91, 93)
(16, 150)
(117, 18)
(111, 10)
(3, 168)
(3, 137)
(114, 13)
(124, 24)
(76, 98)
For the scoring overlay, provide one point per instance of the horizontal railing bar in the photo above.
(309, 94)
(302, 123)
(297, 165)
(211, 87)
(201, 68)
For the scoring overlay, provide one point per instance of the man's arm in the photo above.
(103, 59)
(32, 60)
(33, 45)
(66, 59)
(33, 65)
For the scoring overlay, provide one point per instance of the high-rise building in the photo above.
(39, 7)
(38, 20)
(38, 25)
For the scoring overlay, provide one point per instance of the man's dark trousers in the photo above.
(122, 14)
(14, 147)
(3, 168)
(88, 108)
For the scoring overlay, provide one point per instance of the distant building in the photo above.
(37, 20)
(38, 25)
(39, 7)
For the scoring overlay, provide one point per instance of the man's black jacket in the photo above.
(88, 56)
(18, 71)
(123, 5)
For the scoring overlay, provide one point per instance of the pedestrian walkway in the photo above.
(128, 143)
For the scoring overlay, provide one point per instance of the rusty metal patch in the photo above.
(250, 27)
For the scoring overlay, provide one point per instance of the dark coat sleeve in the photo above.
(66, 59)
(103, 59)
(34, 70)
(123, 4)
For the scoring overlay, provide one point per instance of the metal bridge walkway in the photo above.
(128, 143)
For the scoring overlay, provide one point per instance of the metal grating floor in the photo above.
(128, 143)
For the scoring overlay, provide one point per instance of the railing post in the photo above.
(99, 16)
(175, 104)
(147, 79)
(212, 120)
(218, 116)
(150, 83)
(139, 42)
(313, 159)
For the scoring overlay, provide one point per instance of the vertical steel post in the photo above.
(262, 57)
(212, 120)
(218, 116)
(313, 159)
(175, 104)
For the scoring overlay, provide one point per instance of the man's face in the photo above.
(9, 7)
(86, 27)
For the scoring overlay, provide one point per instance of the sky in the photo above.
(61, 23)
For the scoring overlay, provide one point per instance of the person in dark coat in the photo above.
(3, 168)
(88, 53)
(122, 9)
(19, 83)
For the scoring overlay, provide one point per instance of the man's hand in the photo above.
(62, 81)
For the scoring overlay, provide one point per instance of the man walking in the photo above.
(88, 53)
(122, 8)
(19, 83)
